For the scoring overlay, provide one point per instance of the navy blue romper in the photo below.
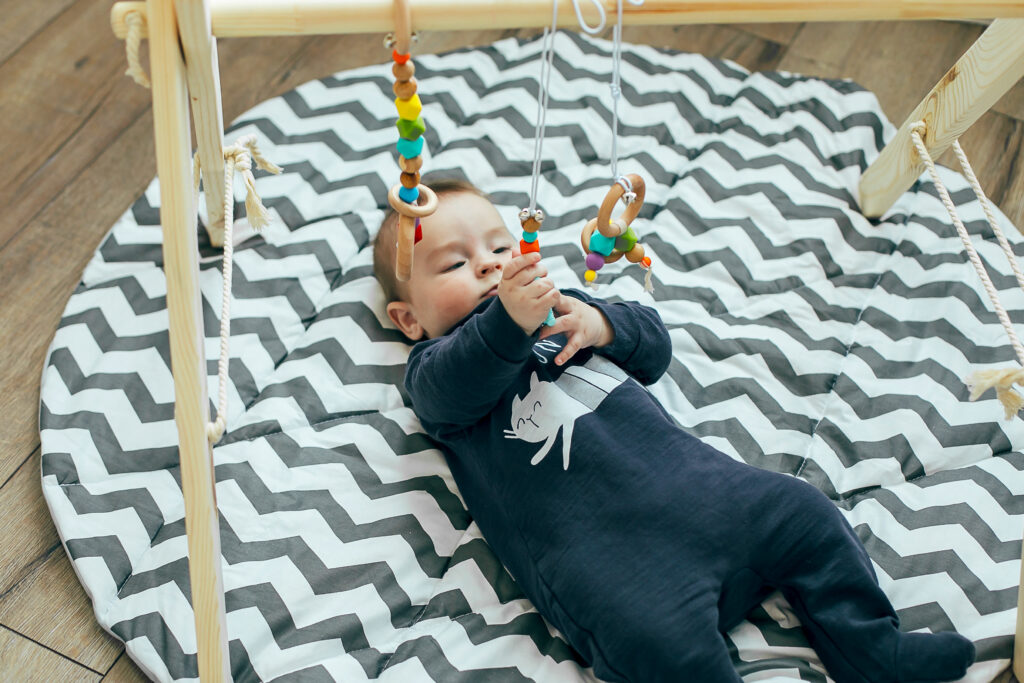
(638, 541)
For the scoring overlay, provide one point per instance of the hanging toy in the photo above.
(530, 242)
(606, 240)
(409, 198)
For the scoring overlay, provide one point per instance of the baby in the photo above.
(639, 542)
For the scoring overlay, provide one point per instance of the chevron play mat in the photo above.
(807, 340)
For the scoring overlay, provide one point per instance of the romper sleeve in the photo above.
(642, 346)
(457, 379)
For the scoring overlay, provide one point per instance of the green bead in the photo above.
(410, 130)
(626, 241)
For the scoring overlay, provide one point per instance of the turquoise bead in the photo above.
(601, 244)
(529, 237)
(410, 148)
(408, 194)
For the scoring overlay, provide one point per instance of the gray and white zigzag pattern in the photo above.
(807, 340)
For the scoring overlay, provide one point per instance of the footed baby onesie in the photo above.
(638, 541)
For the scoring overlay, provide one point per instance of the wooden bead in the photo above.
(527, 247)
(403, 72)
(410, 165)
(410, 180)
(404, 89)
(531, 224)
(635, 255)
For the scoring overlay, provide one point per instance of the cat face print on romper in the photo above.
(552, 406)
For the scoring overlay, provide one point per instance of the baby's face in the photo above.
(458, 263)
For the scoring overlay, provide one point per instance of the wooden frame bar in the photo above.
(989, 68)
(237, 18)
(203, 71)
(188, 362)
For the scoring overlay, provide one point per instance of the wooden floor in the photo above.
(77, 144)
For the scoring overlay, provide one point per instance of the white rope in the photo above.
(547, 57)
(136, 21)
(238, 156)
(1000, 380)
(616, 91)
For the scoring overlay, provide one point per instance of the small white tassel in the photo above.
(1002, 381)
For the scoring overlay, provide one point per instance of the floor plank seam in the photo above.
(56, 652)
(20, 464)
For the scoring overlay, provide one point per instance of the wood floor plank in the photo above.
(26, 662)
(49, 606)
(724, 42)
(776, 33)
(22, 20)
(51, 87)
(29, 537)
(899, 61)
(125, 671)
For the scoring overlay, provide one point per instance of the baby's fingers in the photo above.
(571, 347)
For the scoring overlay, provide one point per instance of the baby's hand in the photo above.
(526, 298)
(583, 324)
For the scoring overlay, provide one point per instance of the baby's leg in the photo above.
(825, 573)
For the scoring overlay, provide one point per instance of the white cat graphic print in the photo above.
(550, 406)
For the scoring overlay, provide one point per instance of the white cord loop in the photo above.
(1002, 380)
(592, 30)
(616, 85)
(238, 156)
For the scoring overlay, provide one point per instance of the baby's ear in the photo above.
(404, 318)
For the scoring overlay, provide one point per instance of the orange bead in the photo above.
(527, 247)
(403, 71)
(410, 165)
(410, 180)
(404, 89)
(646, 262)
(400, 59)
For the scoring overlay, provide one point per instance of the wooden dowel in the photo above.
(203, 75)
(188, 363)
(980, 77)
(236, 18)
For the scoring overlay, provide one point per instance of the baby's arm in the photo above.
(457, 379)
(628, 333)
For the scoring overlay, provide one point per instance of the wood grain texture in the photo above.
(30, 663)
(22, 20)
(124, 671)
(48, 606)
(29, 538)
(966, 92)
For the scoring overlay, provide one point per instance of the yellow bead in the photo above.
(590, 276)
(409, 109)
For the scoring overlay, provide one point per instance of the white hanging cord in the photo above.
(238, 156)
(546, 60)
(616, 84)
(979, 382)
(136, 22)
(592, 30)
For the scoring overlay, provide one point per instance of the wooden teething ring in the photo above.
(603, 222)
(407, 216)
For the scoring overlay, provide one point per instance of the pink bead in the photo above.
(594, 261)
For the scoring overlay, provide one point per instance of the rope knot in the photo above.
(240, 156)
(616, 90)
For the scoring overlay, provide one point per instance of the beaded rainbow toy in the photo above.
(606, 240)
(409, 198)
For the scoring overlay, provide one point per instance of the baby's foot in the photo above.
(928, 657)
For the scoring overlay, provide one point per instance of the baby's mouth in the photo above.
(493, 291)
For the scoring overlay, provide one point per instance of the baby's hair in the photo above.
(385, 244)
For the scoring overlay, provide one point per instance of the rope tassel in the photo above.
(1002, 381)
